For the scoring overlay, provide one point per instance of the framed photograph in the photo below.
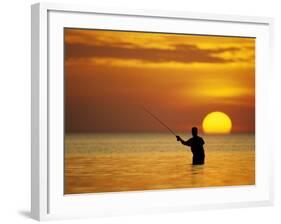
(137, 111)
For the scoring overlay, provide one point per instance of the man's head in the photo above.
(194, 131)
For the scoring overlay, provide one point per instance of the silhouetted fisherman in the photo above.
(196, 143)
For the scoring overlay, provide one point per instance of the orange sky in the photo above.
(109, 75)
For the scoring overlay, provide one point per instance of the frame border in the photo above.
(40, 89)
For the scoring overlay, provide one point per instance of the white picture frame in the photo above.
(48, 201)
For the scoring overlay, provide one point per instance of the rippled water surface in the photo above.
(130, 162)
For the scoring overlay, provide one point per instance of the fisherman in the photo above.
(196, 143)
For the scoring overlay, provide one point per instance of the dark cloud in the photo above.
(123, 50)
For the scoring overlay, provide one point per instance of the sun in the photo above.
(217, 123)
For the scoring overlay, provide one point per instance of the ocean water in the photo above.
(131, 162)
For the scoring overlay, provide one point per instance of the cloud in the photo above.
(180, 53)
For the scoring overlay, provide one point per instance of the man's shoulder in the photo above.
(201, 139)
(198, 139)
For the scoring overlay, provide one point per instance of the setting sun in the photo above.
(217, 123)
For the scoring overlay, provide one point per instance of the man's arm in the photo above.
(180, 139)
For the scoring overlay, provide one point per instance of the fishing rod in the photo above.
(161, 122)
